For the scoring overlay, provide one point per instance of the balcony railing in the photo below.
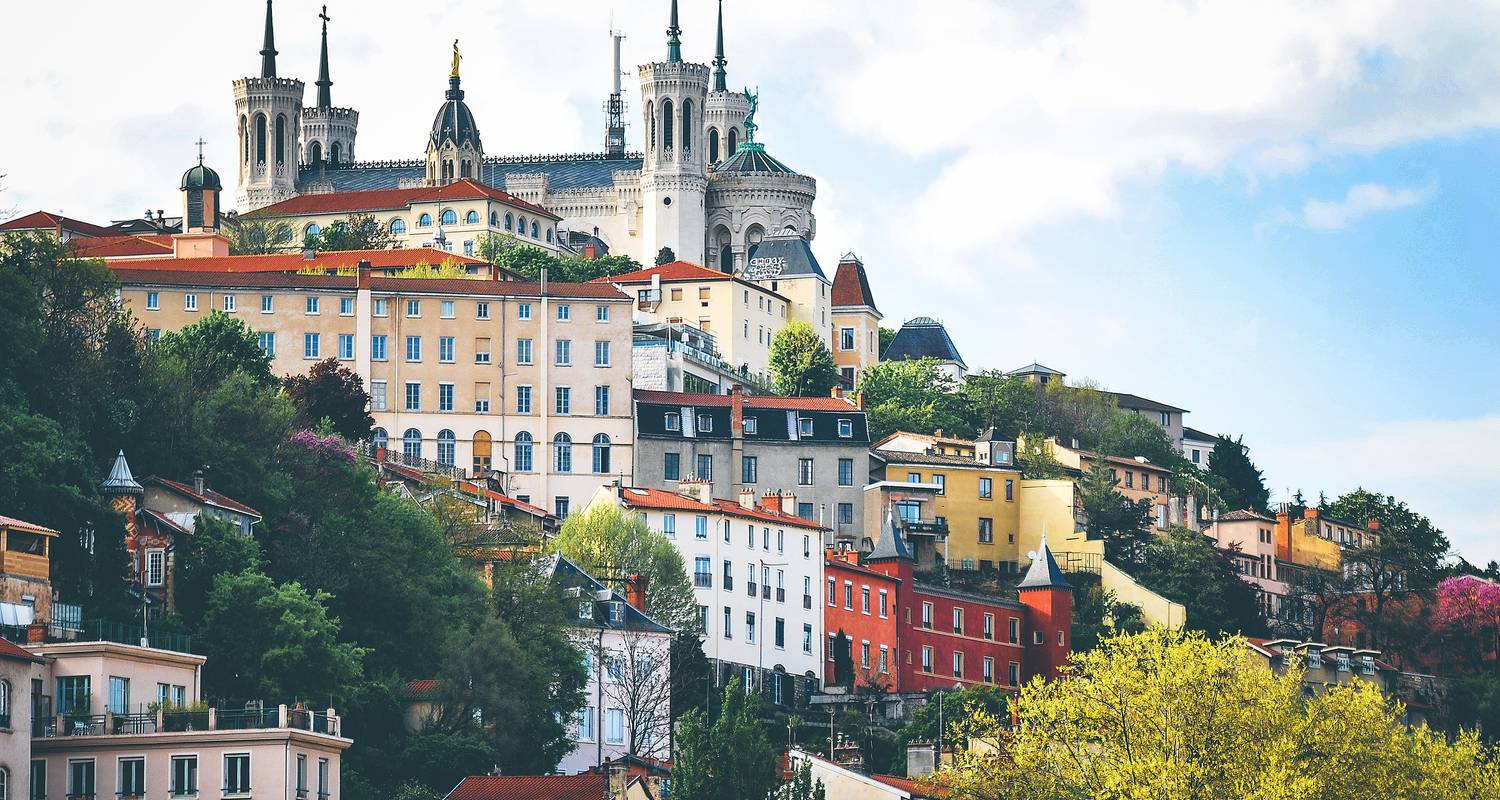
(780, 595)
(211, 719)
(728, 583)
(765, 591)
(807, 601)
(703, 580)
(751, 588)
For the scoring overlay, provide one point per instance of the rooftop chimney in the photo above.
(697, 489)
(362, 274)
(789, 503)
(635, 591)
(747, 498)
(737, 409)
(198, 484)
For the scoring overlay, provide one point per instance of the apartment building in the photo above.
(784, 263)
(978, 499)
(1250, 539)
(528, 381)
(757, 570)
(1136, 478)
(1169, 417)
(816, 448)
(1197, 446)
(856, 322)
(860, 603)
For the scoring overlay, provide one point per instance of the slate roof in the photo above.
(635, 619)
(120, 478)
(340, 202)
(44, 219)
(751, 401)
(583, 786)
(776, 418)
(1044, 572)
(660, 499)
(1035, 369)
(1132, 402)
(1244, 515)
(587, 171)
(752, 157)
(792, 257)
(1194, 433)
(922, 337)
(208, 496)
(851, 287)
(891, 544)
(933, 459)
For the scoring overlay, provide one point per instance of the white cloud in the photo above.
(1360, 201)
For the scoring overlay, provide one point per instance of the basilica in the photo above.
(702, 185)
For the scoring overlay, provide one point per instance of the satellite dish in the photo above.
(1031, 554)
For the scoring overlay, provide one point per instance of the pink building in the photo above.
(1252, 538)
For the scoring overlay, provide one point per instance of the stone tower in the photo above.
(724, 111)
(327, 132)
(200, 236)
(270, 115)
(454, 151)
(674, 174)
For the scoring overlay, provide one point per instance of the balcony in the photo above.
(765, 591)
(780, 595)
(210, 719)
(925, 528)
(751, 587)
(807, 601)
(728, 583)
(703, 580)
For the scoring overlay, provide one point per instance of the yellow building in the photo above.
(856, 322)
(979, 501)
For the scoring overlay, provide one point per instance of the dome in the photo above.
(752, 157)
(454, 120)
(201, 177)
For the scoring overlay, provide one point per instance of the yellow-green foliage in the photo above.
(1171, 716)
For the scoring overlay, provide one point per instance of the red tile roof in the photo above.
(389, 199)
(208, 496)
(751, 401)
(850, 285)
(128, 274)
(12, 650)
(21, 524)
(43, 219)
(504, 499)
(422, 688)
(914, 788)
(294, 262)
(584, 786)
(122, 246)
(635, 497)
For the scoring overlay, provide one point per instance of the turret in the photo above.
(724, 111)
(200, 236)
(269, 111)
(1048, 598)
(454, 151)
(674, 171)
(328, 133)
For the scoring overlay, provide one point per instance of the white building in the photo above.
(1197, 446)
(756, 571)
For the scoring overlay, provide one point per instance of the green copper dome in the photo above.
(201, 177)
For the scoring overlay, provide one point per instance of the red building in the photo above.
(860, 603)
(945, 637)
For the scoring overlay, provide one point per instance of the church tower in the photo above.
(724, 111)
(270, 115)
(327, 132)
(674, 174)
(453, 148)
(200, 236)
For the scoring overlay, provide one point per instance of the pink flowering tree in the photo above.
(1468, 611)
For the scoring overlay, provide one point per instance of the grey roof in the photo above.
(1194, 433)
(566, 572)
(1244, 515)
(1035, 369)
(788, 256)
(1134, 402)
(892, 544)
(573, 171)
(120, 481)
(1044, 572)
(752, 157)
(922, 337)
(454, 121)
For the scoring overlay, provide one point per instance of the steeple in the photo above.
(268, 48)
(1044, 572)
(719, 60)
(325, 97)
(120, 481)
(674, 40)
(892, 545)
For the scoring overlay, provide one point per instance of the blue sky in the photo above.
(1281, 217)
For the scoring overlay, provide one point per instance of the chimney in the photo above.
(789, 503)
(542, 279)
(1373, 524)
(362, 274)
(696, 489)
(198, 484)
(635, 591)
(859, 400)
(737, 409)
(1310, 513)
(36, 633)
(747, 498)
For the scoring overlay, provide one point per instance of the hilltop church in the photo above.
(703, 186)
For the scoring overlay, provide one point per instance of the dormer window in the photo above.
(672, 420)
(804, 426)
(616, 612)
(846, 428)
(751, 425)
(585, 609)
(705, 423)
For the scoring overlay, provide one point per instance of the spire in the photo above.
(891, 545)
(268, 48)
(120, 481)
(719, 60)
(1044, 572)
(325, 97)
(674, 42)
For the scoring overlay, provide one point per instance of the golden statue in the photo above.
(456, 59)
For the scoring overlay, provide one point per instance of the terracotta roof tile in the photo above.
(294, 262)
(635, 497)
(671, 271)
(44, 219)
(128, 274)
(914, 788)
(751, 401)
(121, 246)
(584, 786)
(21, 524)
(10, 649)
(390, 199)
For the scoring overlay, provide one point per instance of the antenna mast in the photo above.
(614, 107)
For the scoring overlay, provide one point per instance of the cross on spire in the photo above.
(200, 144)
(674, 40)
(325, 95)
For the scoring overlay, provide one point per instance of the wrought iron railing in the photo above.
(170, 721)
(399, 457)
(106, 631)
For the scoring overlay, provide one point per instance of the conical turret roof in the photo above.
(892, 545)
(1044, 572)
(120, 481)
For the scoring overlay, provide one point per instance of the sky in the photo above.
(1280, 216)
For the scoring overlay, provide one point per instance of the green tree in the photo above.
(438, 761)
(265, 641)
(612, 545)
(215, 347)
(1187, 568)
(843, 660)
(886, 336)
(912, 396)
(1406, 555)
(357, 231)
(1098, 613)
(528, 261)
(333, 392)
(217, 547)
(1242, 485)
(802, 786)
(1035, 458)
(665, 256)
(256, 237)
(993, 400)
(801, 364)
(730, 758)
(1123, 524)
(934, 719)
(1074, 412)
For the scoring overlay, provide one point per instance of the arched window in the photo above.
(471, 218)
(562, 453)
(523, 452)
(494, 219)
(447, 447)
(245, 140)
(482, 452)
(450, 217)
(313, 229)
(411, 443)
(4, 705)
(687, 126)
(666, 124)
(463, 168)
(651, 115)
(260, 138)
(5, 782)
(535, 231)
(508, 221)
(713, 145)
(726, 259)
(549, 235)
(334, 153)
(280, 139)
(734, 142)
(398, 225)
(424, 221)
(315, 153)
(520, 226)
(379, 438)
(601, 454)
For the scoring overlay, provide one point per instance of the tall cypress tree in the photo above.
(1243, 486)
(728, 760)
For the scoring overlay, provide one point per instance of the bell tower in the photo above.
(674, 173)
(327, 132)
(725, 111)
(269, 116)
(454, 151)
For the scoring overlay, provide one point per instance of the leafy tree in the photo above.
(1123, 524)
(215, 347)
(730, 758)
(801, 364)
(333, 392)
(1404, 556)
(527, 260)
(1474, 701)
(1035, 458)
(1176, 716)
(912, 396)
(411, 790)
(1080, 412)
(438, 761)
(843, 660)
(1187, 568)
(357, 231)
(665, 256)
(956, 705)
(991, 399)
(216, 548)
(1097, 613)
(255, 237)
(265, 641)
(691, 672)
(612, 545)
(1468, 617)
(1136, 436)
(1243, 486)
(802, 786)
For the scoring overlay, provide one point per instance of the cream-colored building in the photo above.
(785, 264)
(529, 380)
(856, 322)
(742, 317)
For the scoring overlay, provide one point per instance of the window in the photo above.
(705, 467)
(671, 466)
(564, 312)
(751, 426)
(601, 454)
(229, 303)
(119, 695)
(447, 443)
(1013, 674)
(700, 527)
(989, 670)
(378, 348)
(153, 301)
(448, 217)
(562, 400)
(38, 780)
(523, 351)
(989, 626)
(346, 346)
(312, 305)
(846, 428)
(927, 615)
(614, 726)
(346, 306)
(958, 663)
(750, 626)
(702, 573)
(312, 344)
(749, 469)
(601, 353)
(986, 488)
(560, 509)
(926, 659)
(848, 596)
(942, 483)
(237, 773)
(672, 421)
(804, 426)
(780, 634)
(804, 472)
(265, 303)
(1015, 630)
(398, 226)
(705, 423)
(1130, 480)
(424, 221)
(481, 311)
(523, 311)
(1036, 638)
(413, 348)
(156, 567)
(445, 349)
(523, 399)
(562, 455)
(846, 472)
(190, 302)
(601, 313)
(132, 781)
(413, 396)
(382, 308)
(846, 338)
(864, 599)
(806, 637)
(832, 593)
(81, 777)
(523, 452)
(986, 530)
(563, 353)
(1010, 489)
(267, 341)
(958, 621)
(728, 619)
(601, 401)
(411, 443)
